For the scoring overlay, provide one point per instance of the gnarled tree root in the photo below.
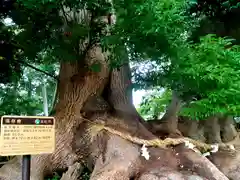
(123, 161)
(13, 169)
(73, 172)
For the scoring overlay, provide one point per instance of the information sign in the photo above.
(27, 135)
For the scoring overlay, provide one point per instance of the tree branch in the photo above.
(37, 69)
(91, 42)
(64, 14)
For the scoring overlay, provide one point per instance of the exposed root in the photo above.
(235, 141)
(122, 161)
(11, 170)
(73, 172)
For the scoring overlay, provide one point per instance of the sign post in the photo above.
(27, 135)
(26, 166)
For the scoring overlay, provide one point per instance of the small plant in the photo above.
(55, 176)
(85, 174)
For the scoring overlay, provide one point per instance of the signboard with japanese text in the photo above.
(26, 135)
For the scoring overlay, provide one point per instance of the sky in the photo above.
(137, 97)
(8, 21)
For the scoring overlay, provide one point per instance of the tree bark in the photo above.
(120, 90)
(228, 130)
(191, 128)
(119, 95)
(212, 130)
(171, 115)
(201, 131)
(121, 159)
(73, 172)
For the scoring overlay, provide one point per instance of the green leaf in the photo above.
(96, 67)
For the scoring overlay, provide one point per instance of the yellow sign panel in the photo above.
(26, 135)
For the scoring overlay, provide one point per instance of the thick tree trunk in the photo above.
(212, 130)
(191, 128)
(171, 115)
(228, 130)
(75, 87)
(120, 159)
(119, 95)
(201, 131)
(168, 124)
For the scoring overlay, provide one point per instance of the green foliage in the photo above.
(205, 71)
(154, 104)
(9, 69)
(45, 26)
(217, 17)
(85, 174)
(215, 9)
(210, 72)
(150, 29)
(96, 67)
(206, 77)
(25, 96)
(54, 178)
(43, 33)
(156, 33)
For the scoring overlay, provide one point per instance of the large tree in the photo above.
(206, 80)
(96, 122)
(207, 84)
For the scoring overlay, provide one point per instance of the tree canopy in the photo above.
(169, 36)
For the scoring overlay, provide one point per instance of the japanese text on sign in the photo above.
(22, 135)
